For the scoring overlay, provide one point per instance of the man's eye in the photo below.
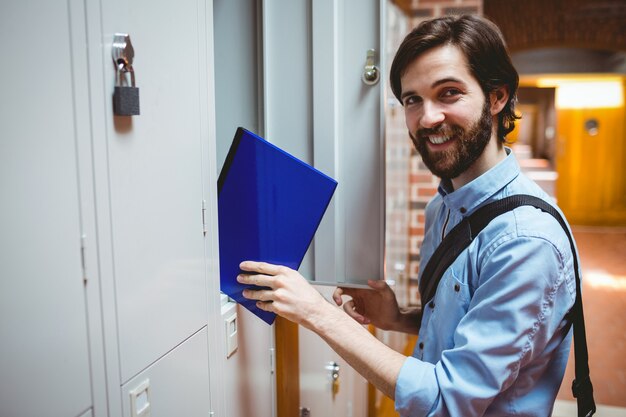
(451, 92)
(411, 100)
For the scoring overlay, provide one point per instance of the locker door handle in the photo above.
(333, 373)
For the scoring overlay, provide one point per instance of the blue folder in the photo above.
(269, 206)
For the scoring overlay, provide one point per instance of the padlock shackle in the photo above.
(121, 80)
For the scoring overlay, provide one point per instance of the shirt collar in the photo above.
(467, 198)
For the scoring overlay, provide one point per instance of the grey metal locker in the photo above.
(155, 181)
(44, 359)
(173, 386)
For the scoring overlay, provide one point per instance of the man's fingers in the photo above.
(349, 308)
(377, 284)
(258, 280)
(259, 295)
(266, 306)
(350, 291)
(337, 296)
(261, 267)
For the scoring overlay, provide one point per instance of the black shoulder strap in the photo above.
(462, 235)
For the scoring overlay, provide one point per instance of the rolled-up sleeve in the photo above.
(416, 387)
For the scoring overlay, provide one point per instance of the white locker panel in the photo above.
(247, 378)
(361, 150)
(288, 74)
(155, 178)
(287, 84)
(44, 368)
(247, 374)
(238, 71)
(318, 108)
(316, 390)
(176, 385)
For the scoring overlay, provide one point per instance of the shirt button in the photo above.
(463, 210)
(421, 345)
(432, 304)
(457, 287)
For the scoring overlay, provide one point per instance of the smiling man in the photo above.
(494, 340)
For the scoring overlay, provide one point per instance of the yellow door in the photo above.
(590, 159)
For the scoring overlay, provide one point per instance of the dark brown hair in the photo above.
(482, 44)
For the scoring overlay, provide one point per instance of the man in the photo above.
(495, 339)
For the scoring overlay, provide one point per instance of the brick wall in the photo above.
(593, 24)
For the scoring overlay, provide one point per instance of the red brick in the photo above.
(443, 3)
(426, 191)
(426, 178)
(416, 231)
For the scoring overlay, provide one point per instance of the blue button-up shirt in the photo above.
(495, 340)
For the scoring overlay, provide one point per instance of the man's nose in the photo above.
(432, 115)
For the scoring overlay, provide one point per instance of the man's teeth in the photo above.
(438, 140)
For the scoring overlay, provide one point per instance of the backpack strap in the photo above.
(462, 235)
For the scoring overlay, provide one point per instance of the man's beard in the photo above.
(455, 160)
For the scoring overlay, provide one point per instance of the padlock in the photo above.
(126, 98)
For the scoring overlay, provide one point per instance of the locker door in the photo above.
(175, 385)
(247, 377)
(317, 107)
(349, 138)
(155, 180)
(44, 357)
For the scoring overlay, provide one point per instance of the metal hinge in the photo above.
(82, 258)
(204, 229)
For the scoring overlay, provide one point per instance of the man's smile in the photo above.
(438, 139)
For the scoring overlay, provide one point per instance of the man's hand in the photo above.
(289, 295)
(378, 307)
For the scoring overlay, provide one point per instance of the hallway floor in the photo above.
(603, 262)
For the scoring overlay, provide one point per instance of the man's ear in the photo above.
(498, 99)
